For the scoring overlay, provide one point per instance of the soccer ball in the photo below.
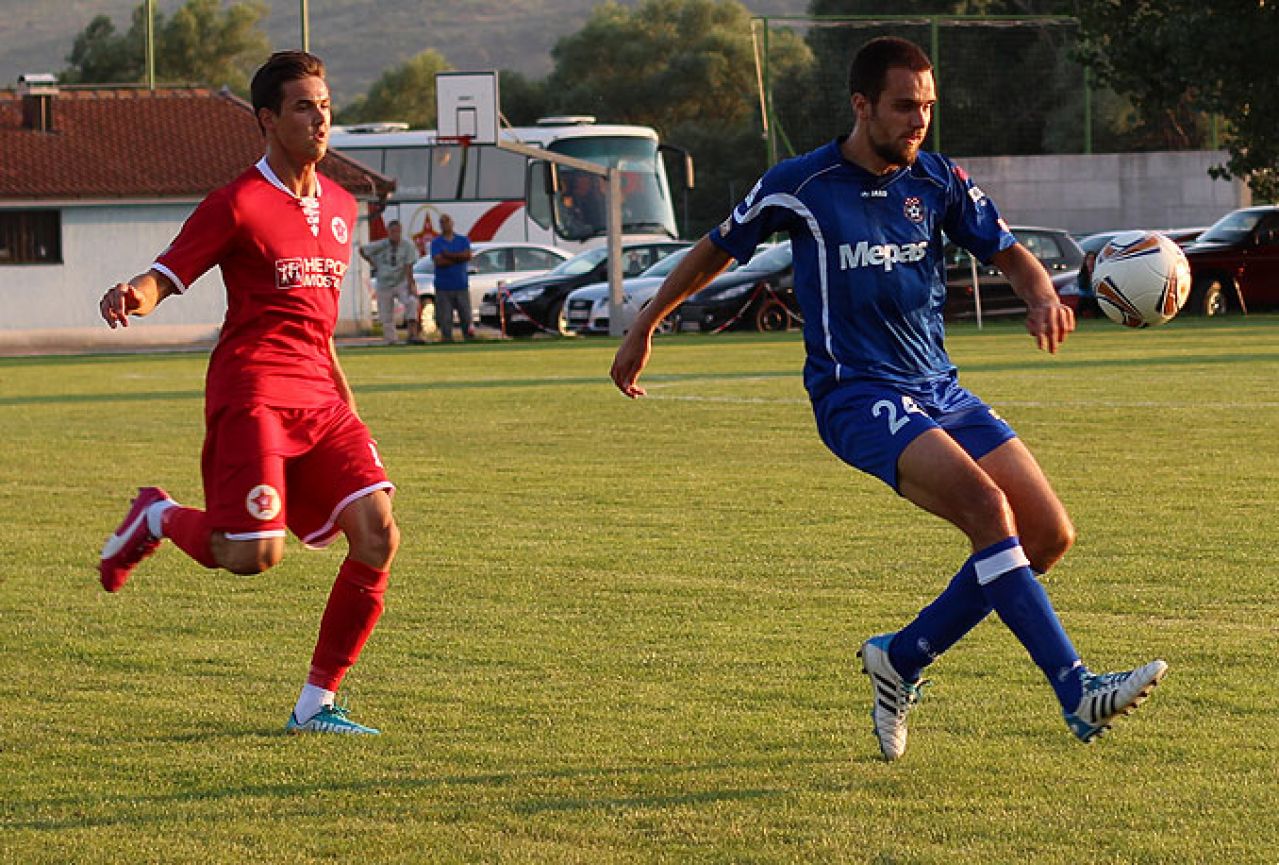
(1141, 278)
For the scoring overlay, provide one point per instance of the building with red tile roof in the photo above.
(96, 180)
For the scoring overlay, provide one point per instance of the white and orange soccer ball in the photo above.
(1141, 278)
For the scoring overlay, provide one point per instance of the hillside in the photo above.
(357, 38)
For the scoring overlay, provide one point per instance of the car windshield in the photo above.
(771, 260)
(581, 263)
(424, 265)
(1233, 227)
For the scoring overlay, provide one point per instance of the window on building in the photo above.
(30, 237)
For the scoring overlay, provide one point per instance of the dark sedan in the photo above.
(1055, 249)
(759, 295)
(537, 304)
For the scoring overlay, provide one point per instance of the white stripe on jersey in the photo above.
(788, 201)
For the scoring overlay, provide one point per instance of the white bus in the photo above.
(497, 195)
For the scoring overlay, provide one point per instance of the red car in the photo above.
(1235, 263)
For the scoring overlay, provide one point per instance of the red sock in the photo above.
(354, 606)
(188, 528)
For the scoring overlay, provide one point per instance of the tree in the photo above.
(686, 68)
(201, 43)
(1184, 60)
(405, 92)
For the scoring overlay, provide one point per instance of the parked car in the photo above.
(530, 305)
(1234, 265)
(759, 295)
(586, 308)
(493, 263)
(1060, 255)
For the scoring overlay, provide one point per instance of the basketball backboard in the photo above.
(466, 104)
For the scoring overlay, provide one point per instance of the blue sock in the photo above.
(1003, 572)
(940, 625)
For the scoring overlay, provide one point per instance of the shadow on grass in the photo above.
(159, 806)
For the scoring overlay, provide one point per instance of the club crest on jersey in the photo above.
(263, 502)
(913, 207)
(338, 227)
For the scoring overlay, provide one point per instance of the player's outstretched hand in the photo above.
(630, 360)
(119, 300)
(1050, 324)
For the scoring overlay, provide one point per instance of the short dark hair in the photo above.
(873, 60)
(280, 68)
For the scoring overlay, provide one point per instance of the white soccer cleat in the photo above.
(894, 696)
(1109, 696)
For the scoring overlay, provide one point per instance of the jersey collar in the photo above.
(265, 168)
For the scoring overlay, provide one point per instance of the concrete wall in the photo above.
(54, 307)
(1107, 191)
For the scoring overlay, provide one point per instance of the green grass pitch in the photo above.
(623, 632)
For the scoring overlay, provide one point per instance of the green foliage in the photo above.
(686, 68)
(1184, 61)
(523, 100)
(201, 43)
(623, 632)
(405, 92)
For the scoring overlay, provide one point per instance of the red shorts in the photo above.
(267, 469)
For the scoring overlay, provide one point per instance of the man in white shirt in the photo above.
(393, 258)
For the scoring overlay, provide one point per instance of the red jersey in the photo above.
(282, 259)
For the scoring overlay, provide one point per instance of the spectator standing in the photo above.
(393, 258)
(451, 253)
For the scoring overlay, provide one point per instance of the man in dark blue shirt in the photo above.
(866, 214)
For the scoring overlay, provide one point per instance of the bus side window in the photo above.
(411, 169)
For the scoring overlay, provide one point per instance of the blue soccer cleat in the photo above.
(894, 696)
(1111, 695)
(330, 719)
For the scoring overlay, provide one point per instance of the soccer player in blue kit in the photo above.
(865, 214)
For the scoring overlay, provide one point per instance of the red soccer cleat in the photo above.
(131, 543)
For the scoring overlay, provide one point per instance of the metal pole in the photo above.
(768, 101)
(1087, 109)
(151, 44)
(614, 200)
(306, 25)
(976, 289)
(935, 46)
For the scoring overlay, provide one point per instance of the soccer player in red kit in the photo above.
(284, 447)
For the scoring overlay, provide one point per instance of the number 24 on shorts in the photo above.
(895, 421)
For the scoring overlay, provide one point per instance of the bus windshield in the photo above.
(581, 207)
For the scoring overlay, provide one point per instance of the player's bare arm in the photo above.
(139, 296)
(704, 262)
(339, 377)
(1048, 320)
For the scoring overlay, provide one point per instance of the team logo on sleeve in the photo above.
(913, 207)
(338, 227)
(263, 502)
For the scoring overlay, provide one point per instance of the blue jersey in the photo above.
(869, 270)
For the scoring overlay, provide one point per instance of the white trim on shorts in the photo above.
(254, 536)
(325, 535)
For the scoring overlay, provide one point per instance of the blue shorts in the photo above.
(869, 424)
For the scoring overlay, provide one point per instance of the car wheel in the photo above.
(426, 314)
(1211, 296)
(558, 319)
(772, 315)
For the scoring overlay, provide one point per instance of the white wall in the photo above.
(55, 307)
(1107, 191)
